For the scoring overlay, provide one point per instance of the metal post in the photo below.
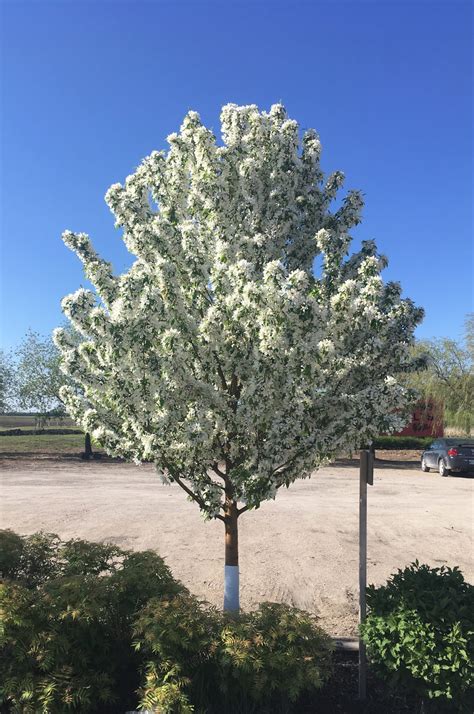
(366, 476)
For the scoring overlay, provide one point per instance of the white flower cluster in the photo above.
(220, 355)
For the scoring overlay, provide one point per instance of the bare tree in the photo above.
(448, 375)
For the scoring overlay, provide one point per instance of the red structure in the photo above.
(426, 420)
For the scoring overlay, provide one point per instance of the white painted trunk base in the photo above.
(231, 588)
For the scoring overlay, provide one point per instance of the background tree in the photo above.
(39, 378)
(469, 335)
(7, 382)
(448, 376)
(220, 355)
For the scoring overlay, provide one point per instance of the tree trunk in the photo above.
(87, 446)
(231, 568)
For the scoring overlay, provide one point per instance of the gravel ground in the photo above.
(300, 549)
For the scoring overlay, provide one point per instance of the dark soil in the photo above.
(340, 695)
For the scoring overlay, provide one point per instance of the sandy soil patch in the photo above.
(300, 549)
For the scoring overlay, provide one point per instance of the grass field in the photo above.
(73, 444)
(43, 445)
(29, 422)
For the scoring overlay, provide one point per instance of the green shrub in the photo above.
(403, 442)
(420, 633)
(86, 626)
(32, 560)
(256, 662)
(11, 549)
(272, 656)
(67, 614)
(178, 638)
(55, 653)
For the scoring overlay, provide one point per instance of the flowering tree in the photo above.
(7, 381)
(448, 376)
(221, 355)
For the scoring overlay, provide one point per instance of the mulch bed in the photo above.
(340, 695)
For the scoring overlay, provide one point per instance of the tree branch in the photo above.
(221, 374)
(192, 495)
(216, 469)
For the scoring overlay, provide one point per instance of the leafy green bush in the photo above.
(86, 626)
(11, 550)
(420, 633)
(29, 560)
(403, 442)
(67, 613)
(176, 638)
(32, 560)
(261, 661)
(271, 656)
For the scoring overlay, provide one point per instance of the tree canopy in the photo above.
(448, 376)
(220, 345)
(38, 374)
(7, 381)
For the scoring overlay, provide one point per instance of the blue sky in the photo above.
(89, 88)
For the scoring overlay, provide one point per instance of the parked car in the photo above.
(449, 456)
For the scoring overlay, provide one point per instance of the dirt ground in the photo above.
(300, 549)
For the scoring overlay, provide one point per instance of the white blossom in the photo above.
(219, 355)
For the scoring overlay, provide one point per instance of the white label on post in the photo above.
(231, 587)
